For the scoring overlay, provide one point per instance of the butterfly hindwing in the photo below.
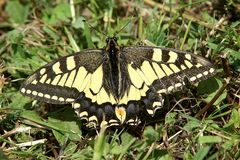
(62, 81)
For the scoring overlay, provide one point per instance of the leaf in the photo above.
(121, 149)
(234, 141)
(201, 153)
(63, 139)
(233, 56)
(170, 118)
(234, 60)
(79, 23)
(70, 148)
(61, 12)
(64, 128)
(88, 36)
(210, 87)
(18, 100)
(51, 33)
(151, 134)
(17, 12)
(234, 119)
(164, 157)
(190, 125)
(209, 139)
(208, 18)
(3, 156)
(66, 123)
(33, 116)
(72, 40)
(15, 36)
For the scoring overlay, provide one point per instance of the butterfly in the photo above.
(112, 86)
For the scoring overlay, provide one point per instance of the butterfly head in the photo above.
(111, 41)
(112, 45)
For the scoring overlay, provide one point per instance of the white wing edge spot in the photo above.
(23, 90)
(34, 93)
(150, 111)
(61, 99)
(205, 73)
(83, 114)
(199, 75)
(178, 85)
(76, 105)
(54, 97)
(47, 96)
(193, 78)
(29, 91)
(188, 56)
(162, 91)
(42, 71)
(157, 104)
(40, 94)
(93, 118)
(170, 88)
(69, 100)
(211, 70)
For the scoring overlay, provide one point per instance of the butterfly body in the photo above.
(114, 85)
(114, 65)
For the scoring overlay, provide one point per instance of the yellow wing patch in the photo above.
(134, 77)
(148, 71)
(43, 79)
(56, 80)
(173, 57)
(97, 80)
(158, 70)
(157, 55)
(63, 80)
(166, 69)
(81, 74)
(56, 68)
(70, 62)
(70, 79)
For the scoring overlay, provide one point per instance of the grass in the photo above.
(199, 123)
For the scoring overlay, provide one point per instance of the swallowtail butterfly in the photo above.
(114, 85)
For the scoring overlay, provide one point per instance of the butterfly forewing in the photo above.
(62, 81)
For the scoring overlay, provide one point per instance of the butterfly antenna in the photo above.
(93, 28)
(122, 27)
